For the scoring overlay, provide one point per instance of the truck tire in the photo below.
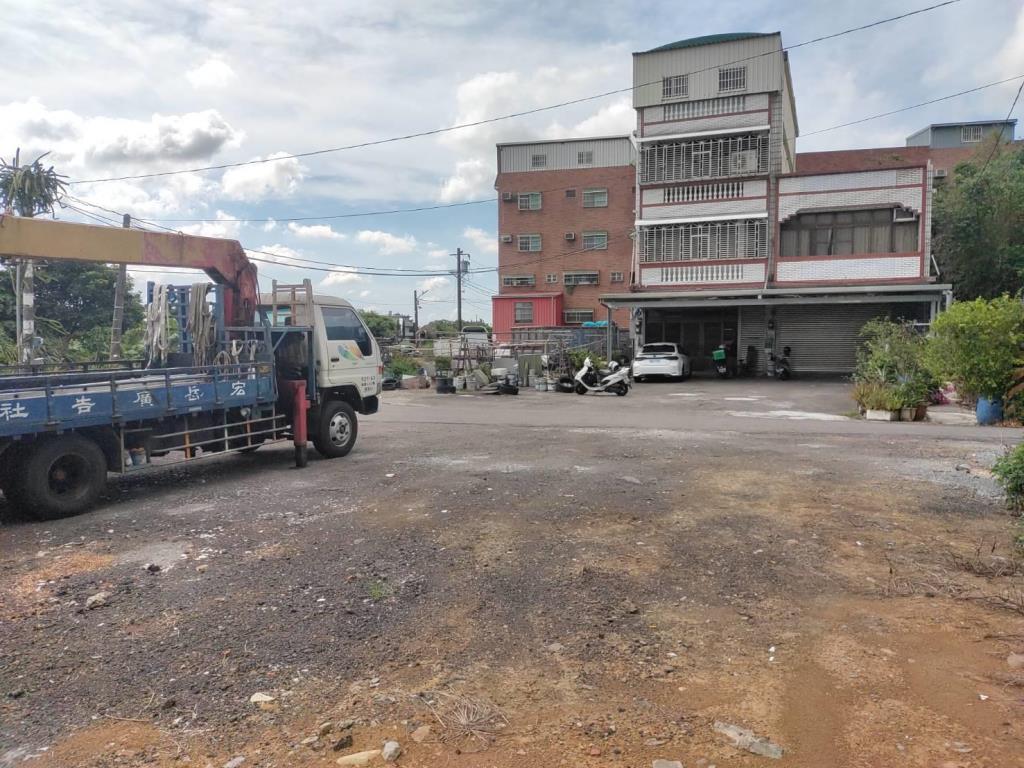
(336, 430)
(60, 476)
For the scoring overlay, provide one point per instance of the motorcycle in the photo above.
(720, 357)
(615, 379)
(782, 367)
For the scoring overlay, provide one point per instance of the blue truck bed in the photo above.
(55, 402)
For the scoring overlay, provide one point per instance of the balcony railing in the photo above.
(704, 159)
(742, 239)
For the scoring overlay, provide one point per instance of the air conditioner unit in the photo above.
(508, 197)
(570, 235)
(941, 173)
(743, 162)
(506, 238)
(902, 215)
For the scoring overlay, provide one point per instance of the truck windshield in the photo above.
(342, 324)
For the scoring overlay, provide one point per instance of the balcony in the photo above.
(704, 241)
(725, 157)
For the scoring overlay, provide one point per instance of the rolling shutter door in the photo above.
(823, 337)
(752, 327)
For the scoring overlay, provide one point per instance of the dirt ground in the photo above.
(548, 580)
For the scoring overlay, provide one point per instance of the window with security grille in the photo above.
(529, 243)
(595, 241)
(585, 157)
(552, 277)
(618, 277)
(530, 201)
(685, 110)
(732, 79)
(706, 240)
(576, 316)
(743, 155)
(675, 87)
(581, 278)
(969, 134)
(518, 280)
(595, 198)
(570, 193)
(524, 311)
(844, 233)
(538, 161)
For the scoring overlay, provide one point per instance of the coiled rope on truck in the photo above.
(156, 326)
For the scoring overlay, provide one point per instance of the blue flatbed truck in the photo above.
(286, 366)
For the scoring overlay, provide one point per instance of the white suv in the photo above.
(661, 359)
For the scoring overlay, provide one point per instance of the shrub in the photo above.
(577, 356)
(891, 371)
(402, 365)
(976, 344)
(875, 395)
(442, 363)
(1009, 471)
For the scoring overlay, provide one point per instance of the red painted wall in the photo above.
(547, 312)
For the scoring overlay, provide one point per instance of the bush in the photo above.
(443, 363)
(976, 344)
(874, 395)
(577, 356)
(891, 371)
(402, 365)
(1009, 471)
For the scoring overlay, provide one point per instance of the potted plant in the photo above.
(977, 345)
(877, 400)
(890, 380)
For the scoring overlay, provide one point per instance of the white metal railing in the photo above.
(737, 239)
(698, 193)
(704, 273)
(745, 155)
(686, 110)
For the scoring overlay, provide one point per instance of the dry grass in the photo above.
(989, 564)
(465, 717)
(938, 581)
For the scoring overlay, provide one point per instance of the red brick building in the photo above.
(564, 221)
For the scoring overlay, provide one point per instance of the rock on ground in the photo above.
(745, 739)
(391, 751)
(359, 758)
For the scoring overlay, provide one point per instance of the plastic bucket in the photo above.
(989, 411)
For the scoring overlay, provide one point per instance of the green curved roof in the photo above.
(725, 37)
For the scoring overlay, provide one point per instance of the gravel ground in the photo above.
(541, 580)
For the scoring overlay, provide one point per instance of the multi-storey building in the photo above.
(705, 227)
(565, 218)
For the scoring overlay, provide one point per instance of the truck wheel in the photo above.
(336, 431)
(60, 476)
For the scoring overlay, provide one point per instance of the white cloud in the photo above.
(212, 73)
(269, 226)
(277, 178)
(612, 119)
(387, 243)
(277, 253)
(433, 283)
(472, 179)
(342, 278)
(223, 227)
(315, 231)
(484, 243)
(364, 294)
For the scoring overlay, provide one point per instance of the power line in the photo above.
(914, 106)
(509, 116)
(995, 144)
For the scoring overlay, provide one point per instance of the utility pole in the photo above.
(117, 323)
(415, 315)
(459, 271)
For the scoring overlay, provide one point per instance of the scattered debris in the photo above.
(359, 758)
(263, 700)
(391, 751)
(97, 601)
(554, 647)
(152, 568)
(666, 764)
(745, 739)
(631, 480)
(343, 742)
(1015, 660)
(234, 762)
(462, 716)
(421, 734)
(324, 728)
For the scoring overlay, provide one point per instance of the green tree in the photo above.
(977, 345)
(979, 225)
(381, 326)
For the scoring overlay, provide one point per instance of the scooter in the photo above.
(782, 367)
(720, 357)
(615, 379)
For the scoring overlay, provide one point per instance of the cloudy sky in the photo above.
(125, 88)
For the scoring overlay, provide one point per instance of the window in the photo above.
(524, 311)
(732, 79)
(674, 87)
(538, 161)
(741, 155)
(552, 277)
(686, 110)
(528, 243)
(570, 193)
(342, 324)
(530, 201)
(595, 198)
(581, 278)
(741, 239)
(585, 157)
(617, 277)
(576, 316)
(595, 241)
(970, 134)
(518, 280)
(849, 232)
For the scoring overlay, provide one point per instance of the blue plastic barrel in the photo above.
(989, 411)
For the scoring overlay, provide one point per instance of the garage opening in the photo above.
(698, 332)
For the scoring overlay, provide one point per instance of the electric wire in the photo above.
(995, 144)
(509, 116)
